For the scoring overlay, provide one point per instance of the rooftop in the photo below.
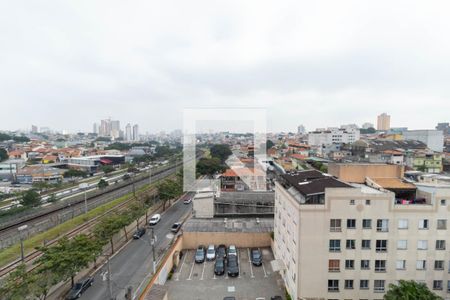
(229, 225)
(393, 183)
(312, 182)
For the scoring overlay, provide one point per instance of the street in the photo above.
(134, 262)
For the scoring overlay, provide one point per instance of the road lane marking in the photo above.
(182, 264)
(192, 269)
(250, 262)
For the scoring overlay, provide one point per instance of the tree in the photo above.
(102, 184)
(210, 166)
(269, 144)
(107, 169)
(74, 173)
(169, 189)
(68, 257)
(17, 285)
(3, 154)
(367, 131)
(135, 211)
(106, 229)
(30, 198)
(410, 290)
(42, 281)
(41, 186)
(220, 151)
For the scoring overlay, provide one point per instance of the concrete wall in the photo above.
(358, 172)
(241, 239)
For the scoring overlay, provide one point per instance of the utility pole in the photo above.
(85, 202)
(21, 229)
(108, 279)
(153, 251)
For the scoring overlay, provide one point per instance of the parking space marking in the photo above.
(250, 262)
(203, 269)
(192, 269)
(239, 264)
(182, 264)
(262, 263)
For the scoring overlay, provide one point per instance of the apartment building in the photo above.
(336, 240)
(333, 136)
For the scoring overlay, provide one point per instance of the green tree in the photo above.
(269, 144)
(169, 189)
(3, 154)
(135, 211)
(41, 186)
(210, 166)
(102, 184)
(220, 151)
(107, 169)
(74, 173)
(30, 198)
(106, 229)
(68, 257)
(410, 290)
(17, 285)
(42, 281)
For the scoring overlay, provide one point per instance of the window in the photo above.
(402, 244)
(333, 265)
(333, 285)
(437, 284)
(441, 224)
(366, 223)
(367, 202)
(382, 225)
(403, 224)
(439, 265)
(440, 244)
(400, 264)
(365, 265)
(448, 286)
(335, 225)
(351, 223)
(365, 244)
(443, 202)
(335, 245)
(422, 245)
(421, 265)
(352, 202)
(378, 285)
(349, 264)
(380, 266)
(423, 224)
(364, 284)
(350, 244)
(381, 246)
(348, 284)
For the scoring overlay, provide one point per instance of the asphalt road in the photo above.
(134, 263)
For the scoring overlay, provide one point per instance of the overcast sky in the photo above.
(66, 64)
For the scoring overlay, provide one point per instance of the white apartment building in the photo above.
(334, 240)
(434, 139)
(333, 136)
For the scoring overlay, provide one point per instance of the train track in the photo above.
(48, 214)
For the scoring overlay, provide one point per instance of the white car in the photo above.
(211, 253)
(187, 200)
(154, 219)
(232, 250)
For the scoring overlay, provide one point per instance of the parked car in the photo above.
(139, 233)
(256, 257)
(232, 266)
(154, 219)
(232, 250)
(221, 251)
(200, 254)
(175, 227)
(187, 200)
(219, 266)
(79, 288)
(211, 253)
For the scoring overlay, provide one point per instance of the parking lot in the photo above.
(198, 281)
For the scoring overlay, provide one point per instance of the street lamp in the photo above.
(152, 243)
(21, 229)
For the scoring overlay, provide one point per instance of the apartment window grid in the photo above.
(352, 202)
(448, 286)
(335, 225)
(437, 284)
(441, 224)
(403, 224)
(365, 244)
(378, 285)
(348, 284)
(443, 202)
(333, 285)
(422, 245)
(400, 265)
(439, 265)
(335, 245)
(350, 244)
(440, 244)
(382, 225)
(349, 264)
(421, 265)
(402, 244)
(367, 224)
(333, 265)
(364, 284)
(365, 264)
(424, 224)
(380, 265)
(381, 246)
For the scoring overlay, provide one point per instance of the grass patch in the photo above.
(12, 253)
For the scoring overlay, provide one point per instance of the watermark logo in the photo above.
(249, 121)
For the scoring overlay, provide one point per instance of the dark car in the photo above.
(256, 257)
(79, 288)
(175, 227)
(232, 266)
(219, 266)
(139, 233)
(222, 251)
(276, 298)
(200, 254)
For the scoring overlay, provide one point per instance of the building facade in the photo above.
(384, 122)
(333, 136)
(434, 139)
(354, 240)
